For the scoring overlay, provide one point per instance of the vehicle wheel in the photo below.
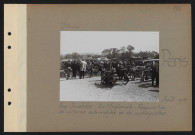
(112, 81)
(126, 78)
(103, 80)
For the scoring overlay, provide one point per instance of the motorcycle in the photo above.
(110, 77)
(107, 78)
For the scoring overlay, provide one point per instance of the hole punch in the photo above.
(9, 33)
(9, 90)
(9, 103)
(9, 47)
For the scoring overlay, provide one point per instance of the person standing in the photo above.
(155, 73)
(68, 72)
(106, 65)
(90, 65)
(114, 65)
(142, 71)
(83, 66)
(74, 68)
(78, 67)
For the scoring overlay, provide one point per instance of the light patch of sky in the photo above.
(96, 41)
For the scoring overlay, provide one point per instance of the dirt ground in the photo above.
(90, 89)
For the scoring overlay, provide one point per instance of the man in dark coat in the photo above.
(78, 67)
(74, 68)
(155, 73)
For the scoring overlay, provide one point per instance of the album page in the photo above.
(98, 67)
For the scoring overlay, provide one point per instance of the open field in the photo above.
(90, 89)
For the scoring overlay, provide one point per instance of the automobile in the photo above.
(146, 69)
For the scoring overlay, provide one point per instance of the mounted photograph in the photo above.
(109, 66)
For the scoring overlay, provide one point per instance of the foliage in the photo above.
(122, 53)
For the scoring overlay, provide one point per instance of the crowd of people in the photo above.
(91, 68)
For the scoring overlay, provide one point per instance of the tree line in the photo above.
(125, 52)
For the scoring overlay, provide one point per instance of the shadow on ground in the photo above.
(99, 85)
(94, 81)
(154, 90)
(104, 86)
(145, 85)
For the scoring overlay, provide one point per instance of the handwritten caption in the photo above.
(65, 26)
(110, 109)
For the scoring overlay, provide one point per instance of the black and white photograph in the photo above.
(109, 66)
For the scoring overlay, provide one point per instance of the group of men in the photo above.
(75, 67)
(93, 67)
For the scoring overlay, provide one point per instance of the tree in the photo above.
(72, 56)
(124, 56)
(75, 55)
(130, 49)
(61, 56)
(115, 52)
(148, 54)
(96, 56)
(143, 54)
(123, 49)
(106, 52)
(111, 53)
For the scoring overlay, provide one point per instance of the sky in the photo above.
(96, 41)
